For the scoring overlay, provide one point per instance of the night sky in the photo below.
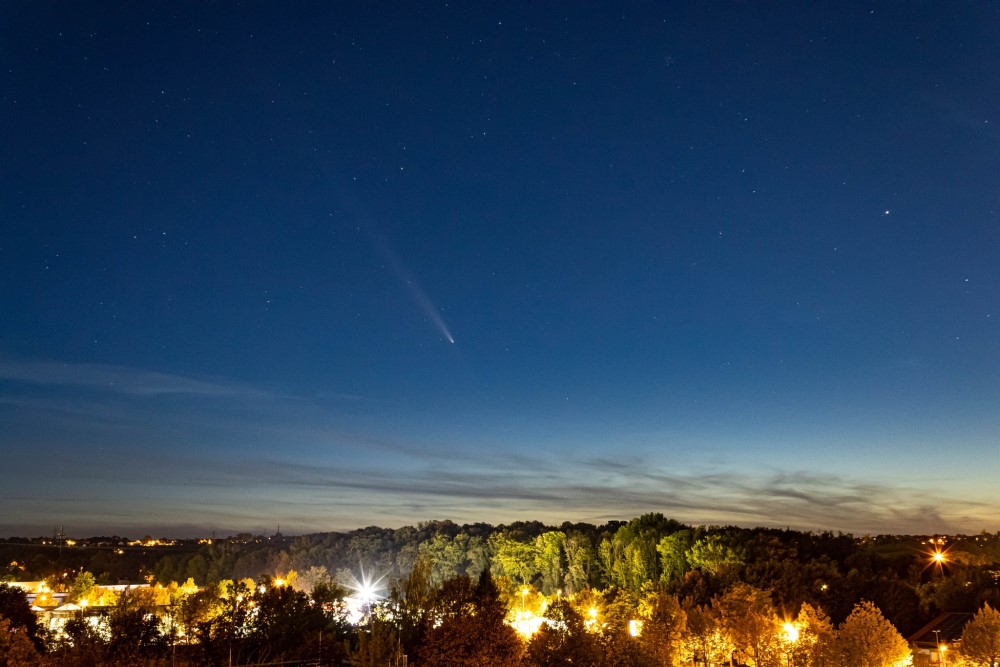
(332, 264)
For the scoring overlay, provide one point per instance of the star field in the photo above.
(335, 265)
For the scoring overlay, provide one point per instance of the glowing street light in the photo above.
(791, 636)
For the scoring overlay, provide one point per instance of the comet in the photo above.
(420, 298)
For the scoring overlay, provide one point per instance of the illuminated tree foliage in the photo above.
(867, 639)
(664, 625)
(814, 645)
(705, 641)
(981, 638)
(516, 559)
(706, 594)
(747, 617)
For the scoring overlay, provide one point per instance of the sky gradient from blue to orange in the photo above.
(731, 262)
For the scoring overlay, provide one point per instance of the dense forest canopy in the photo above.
(832, 571)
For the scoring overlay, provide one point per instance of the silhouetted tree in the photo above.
(15, 608)
(16, 649)
(470, 629)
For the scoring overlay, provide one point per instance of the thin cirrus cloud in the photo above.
(118, 379)
(556, 492)
(347, 467)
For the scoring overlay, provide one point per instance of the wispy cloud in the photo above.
(555, 492)
(119, 379)
(257, 453)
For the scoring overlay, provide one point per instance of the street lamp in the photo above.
(791, 636)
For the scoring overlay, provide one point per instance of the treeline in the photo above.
(827, 570)
(465, 622)
(833, 571)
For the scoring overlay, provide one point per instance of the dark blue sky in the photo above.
(734, 262)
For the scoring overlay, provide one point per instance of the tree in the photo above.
(447, 556)
(714, 557)
(814, 645)
(411, 602)
(82, 585)
(284, 624)
(630, 556)
(470, 630)
(309, 579)
(550, 560)
(705, 642)
(664, 624)
(867, 639)
(196, 610)
(133, 628)
(378, 643)
(579, 561)
(673, 550)
(563, 641)
(516, 559)
(981, 638)
(80, 645)
(15, 608)
(747, 616)
(16, 648)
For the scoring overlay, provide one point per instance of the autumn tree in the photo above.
(705, 641)
(867, 639)
(811, 643)
(748, 617)
(469, 628)
(16, 648)
(664, 624)
(195, 611)
(981, 638)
